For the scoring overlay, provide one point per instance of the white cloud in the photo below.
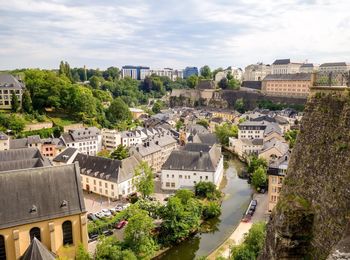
(171, 33)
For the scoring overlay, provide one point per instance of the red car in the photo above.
(121, 224)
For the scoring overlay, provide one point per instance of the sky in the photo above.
(171, 33)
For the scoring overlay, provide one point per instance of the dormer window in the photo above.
(64, 204)
(33, 209)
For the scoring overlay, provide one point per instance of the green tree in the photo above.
(225, 131)
(206, 72)
(241, 252)
(112, 73)
(259, 178)
(95, 82)
(82, 254)
(143, 180)
(157, 107)
(118, 111)
(203, 122)
(207, 190)
(291, 137)
(211, 210)
(255, 163)
(120, 153)
(104, 153)
(27, 102)
(223, 83)
(233, 84)
(179, 125)
(108, 248)
(192, 81)
(184, 195)
(239, 105)
(14, 102)
(138, 236)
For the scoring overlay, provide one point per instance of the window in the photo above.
(35, 232)
(94, 182)
(173, 184)
(106, 185)
(112, 187)
(67, 233)
(167, 184)
(206, 177)
(2, 248)
(180, 176)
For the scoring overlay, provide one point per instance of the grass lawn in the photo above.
(61, 118)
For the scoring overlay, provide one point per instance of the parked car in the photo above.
(246, 218)
(93, 237)
(91, 216)
(106, 212)
(99, 215)
(252, 207)
(112, 210)
(119, 208)
(126, 206)
(121, 224)
(254, 202)
(107, 232)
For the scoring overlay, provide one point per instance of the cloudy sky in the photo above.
(171, 33)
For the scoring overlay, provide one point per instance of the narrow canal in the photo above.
(237, 196)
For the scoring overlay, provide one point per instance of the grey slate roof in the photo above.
(250, 142)
(332, 64)
(209, 138)
(65, 155)
(281, 62)
(42, 191)
(275, 143)
(37, 251)
(21, 159)
(80, 134)
(295, 77)
(98, 167)
(34, 139)
(147, 148)
(127, 169)
(307, 65)
(18, 143)
(197, 147)
(7, 80)
(188, 160)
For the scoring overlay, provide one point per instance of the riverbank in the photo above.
(237, 235)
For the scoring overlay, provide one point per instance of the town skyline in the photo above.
(220, 34)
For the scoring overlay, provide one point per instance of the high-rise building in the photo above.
(189, 71)
(135, 72)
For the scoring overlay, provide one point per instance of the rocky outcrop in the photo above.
(311, 219)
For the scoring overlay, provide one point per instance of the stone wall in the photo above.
(313, 211)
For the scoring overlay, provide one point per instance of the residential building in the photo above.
(49, 147)
(87, 140)
(155, 150)
(276, 174)
(273, 149)
(189, 71)
(214, 122)
(107, 177)
(282, 122)
(308, 68)
(256, 72)
(8, 85)
(110, 139)
(245, 147)
(45, 203)
(237, 74)
(135, 72)
(228, 115)
(167, 72)
(194, 163)
(287, 85)
(285, 66)
(334, 67)
(4, 142)
(136, 112)
(130, 138)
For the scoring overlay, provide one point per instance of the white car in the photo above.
(106, 212)
(99, 215)
(126, 205)
(112, 210)
(119, 208)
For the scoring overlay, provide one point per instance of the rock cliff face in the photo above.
(311, 219)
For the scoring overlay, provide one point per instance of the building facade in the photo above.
(285, 66)
(194, 163)
(8, 85)
(135, 72)
(287, 85)
(189, 71)
(256, 72)
(110, 139)
(334, 67)
(87, 140)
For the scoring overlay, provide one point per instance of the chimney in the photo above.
(157, 142)
(137, 149)
(148, 144)
(200, 153)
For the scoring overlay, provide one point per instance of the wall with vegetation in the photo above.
(313, 211)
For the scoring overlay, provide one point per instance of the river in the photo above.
(237, 196)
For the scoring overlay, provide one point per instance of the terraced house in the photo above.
(8, 85)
